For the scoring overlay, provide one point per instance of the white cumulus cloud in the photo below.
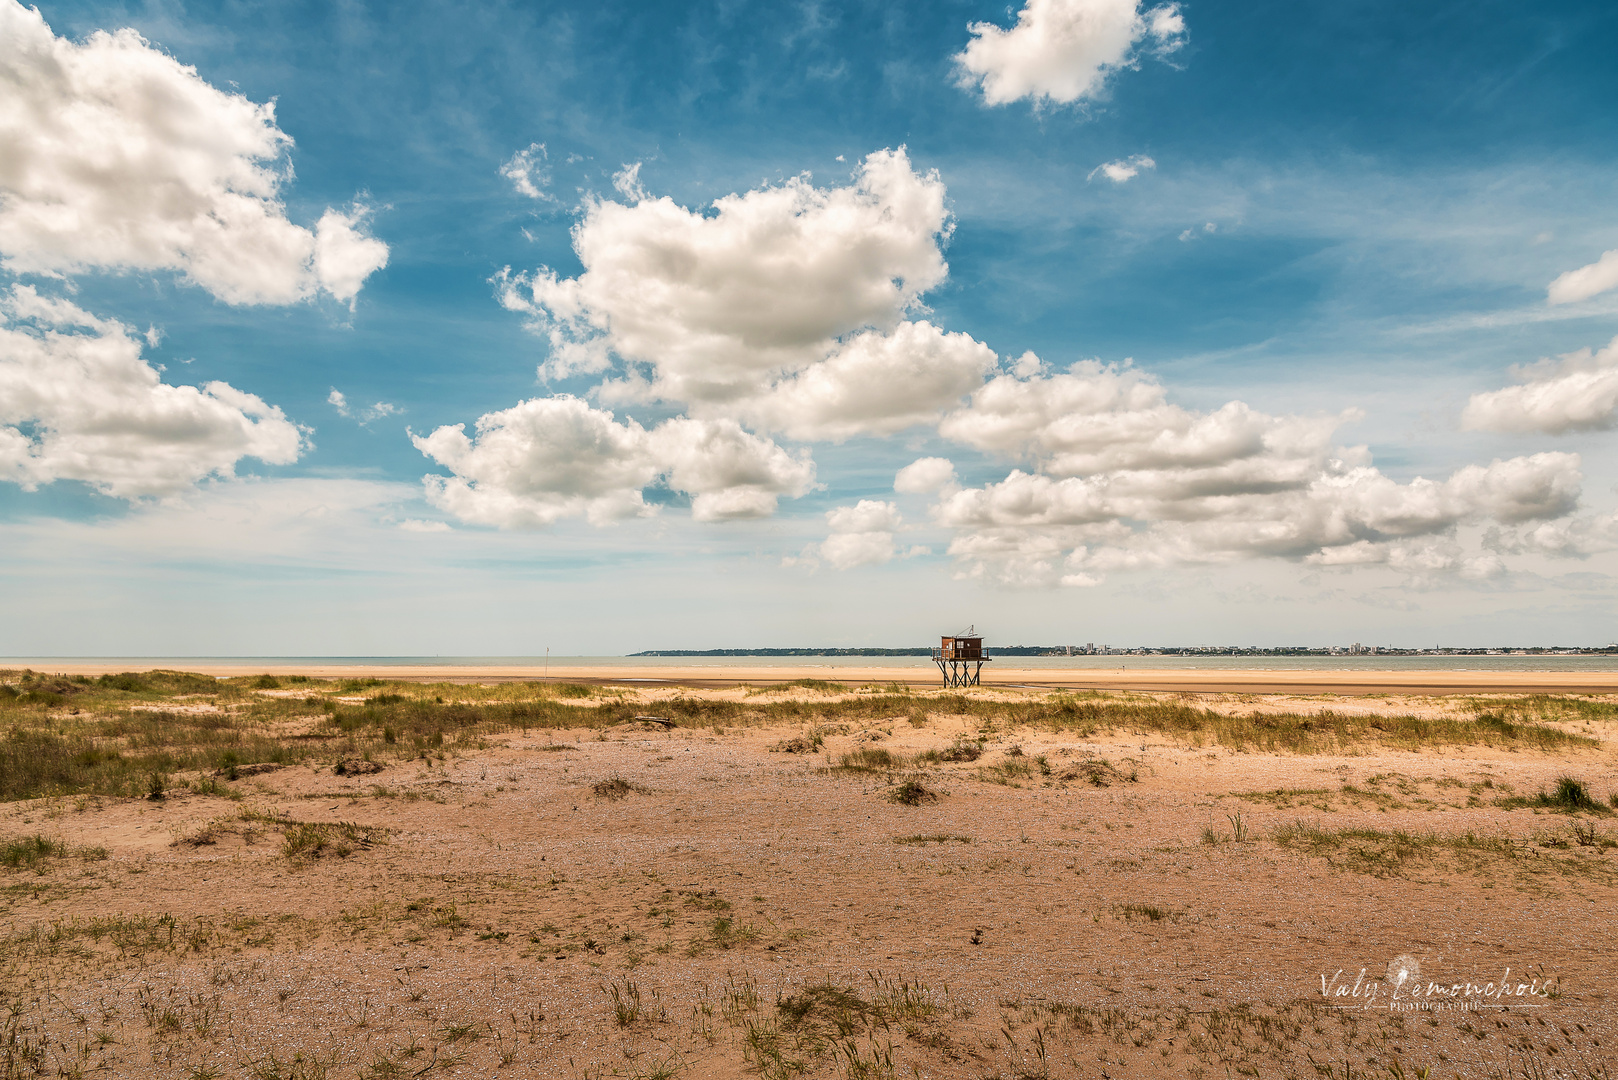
(1120, 479)
(345, 256)
(1099, 418)
(1064, 50)
(861, 535)
(539, 461)
(78, 401)
(1576, 392)
(1124, 170)
(797, 310)
(925, 476)
(1586, 281)
(875, 383)
(113, 155)
(729, 473)
(781, 306)
(549, 458)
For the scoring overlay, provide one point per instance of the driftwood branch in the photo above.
(665, 721)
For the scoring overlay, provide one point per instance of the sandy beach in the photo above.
(1005, 674)
(355, 880)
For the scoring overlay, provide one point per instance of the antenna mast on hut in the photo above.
(960, 658)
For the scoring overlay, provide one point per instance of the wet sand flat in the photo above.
(999, 673)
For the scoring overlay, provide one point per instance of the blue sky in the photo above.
(1347, 218)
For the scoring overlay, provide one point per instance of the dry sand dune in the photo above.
(741, 897)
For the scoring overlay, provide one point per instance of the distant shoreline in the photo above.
(1182, 652)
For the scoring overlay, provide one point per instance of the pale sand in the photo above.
(1293, 681)
(1072, 925)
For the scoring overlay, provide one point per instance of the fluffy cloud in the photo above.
(344, 256)
(1031, 530)
(1572, 537)
(728, 472)
(1586, 281)
(1063, 50)
(79, 402)
(114, 155)
(861, 535)
(794, 309)
(1578, 392)
(1121, 480)
(540, 461)
(786, 308)
(1097, 418)
(925, 476)
(1120, 172)
(550, 458)
(876, 383)
(1418, 558)
(786, 305)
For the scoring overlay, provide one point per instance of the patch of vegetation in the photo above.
(933, 838)
(120, 753)
(572, 690)
(827, 1019)
(1569, 708)
(210, 785)
(1239, 833)
(1585, 835)
(962, 750)
(1285, 798)
(705, 901)
(124, 728)
(724, 932)
(1383, 853)
(1097, 772)
(1295, 732)
(1570, 796)
(870, 759)
(801, 744)
(29, 852)
(1007, 771)
(912, 793)
(305, 839)
(108, 736)
(129, 682)
(614, 788)
(206, 836)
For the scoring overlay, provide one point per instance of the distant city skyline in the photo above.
(1092, 649)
